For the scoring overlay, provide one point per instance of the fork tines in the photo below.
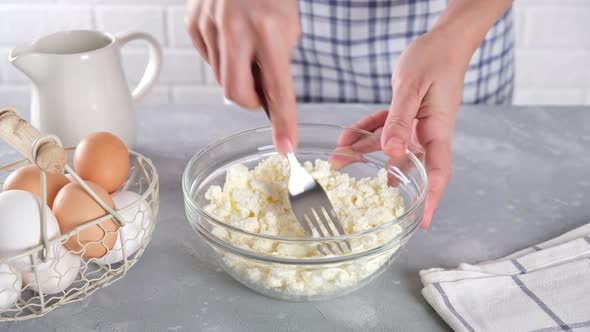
(325, 223)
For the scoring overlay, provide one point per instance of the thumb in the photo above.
(398, 125)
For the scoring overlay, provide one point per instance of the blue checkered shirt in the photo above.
(348, 47)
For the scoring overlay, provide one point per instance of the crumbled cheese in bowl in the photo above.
(257, 202)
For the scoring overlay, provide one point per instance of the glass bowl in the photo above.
(299, 278)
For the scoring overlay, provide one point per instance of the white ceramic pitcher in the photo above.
(79, 85)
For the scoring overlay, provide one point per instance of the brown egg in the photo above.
(73, 207)
(102, 158)
(28, 178)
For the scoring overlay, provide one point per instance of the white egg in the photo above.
(20, 228)
(138, 219)
(10, 286)
(57, 277)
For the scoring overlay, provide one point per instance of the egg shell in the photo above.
(73, 207)
(57, 277)
(28, 178)
(20, 228)
(102, 158)
(10, 286)
(137, 218)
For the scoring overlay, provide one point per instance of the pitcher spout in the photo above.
(31, 63)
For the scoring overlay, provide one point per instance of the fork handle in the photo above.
(257, 74)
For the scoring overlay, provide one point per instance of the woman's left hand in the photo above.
(427, 86)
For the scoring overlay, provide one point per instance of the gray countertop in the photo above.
(520, 176)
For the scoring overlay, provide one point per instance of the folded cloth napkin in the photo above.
(542, 288)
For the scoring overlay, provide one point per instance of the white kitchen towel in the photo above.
(545, 287)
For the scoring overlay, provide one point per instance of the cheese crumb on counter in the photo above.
(257, 202)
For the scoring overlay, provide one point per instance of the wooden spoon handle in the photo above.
(50, 155)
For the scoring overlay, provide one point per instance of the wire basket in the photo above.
(36, 281)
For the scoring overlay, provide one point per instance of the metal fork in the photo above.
(309, 201)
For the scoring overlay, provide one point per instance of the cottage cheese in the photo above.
(257, 201)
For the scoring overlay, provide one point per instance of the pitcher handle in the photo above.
(152, 71)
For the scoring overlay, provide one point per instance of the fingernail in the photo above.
(228, 102)
(424, 224)
(284, 144)
(395, 145)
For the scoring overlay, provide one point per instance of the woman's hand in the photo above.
(232, 34)
(427, 85)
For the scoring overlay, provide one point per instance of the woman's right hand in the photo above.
(232, 34)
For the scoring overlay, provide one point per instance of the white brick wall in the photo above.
(183, 79)
(552, 36)
(553, 52)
